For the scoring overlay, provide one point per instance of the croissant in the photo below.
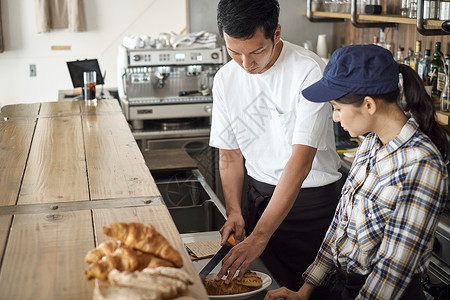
(145, 238)
(103, 249)
(147, 260)
(123, 259)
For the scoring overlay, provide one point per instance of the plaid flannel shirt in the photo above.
(387, 215)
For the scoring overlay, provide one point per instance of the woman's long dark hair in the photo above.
(421, 106)
(418, 103)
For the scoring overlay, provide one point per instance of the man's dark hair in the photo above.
(241, 18)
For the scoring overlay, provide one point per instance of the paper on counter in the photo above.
(203, 249)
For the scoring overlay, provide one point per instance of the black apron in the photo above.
(294, 245)
(346, 286)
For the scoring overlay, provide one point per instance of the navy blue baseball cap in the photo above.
(357, 69)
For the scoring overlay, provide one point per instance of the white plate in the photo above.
(266, 281)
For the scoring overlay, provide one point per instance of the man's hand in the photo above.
(241, 256)
(235, 223)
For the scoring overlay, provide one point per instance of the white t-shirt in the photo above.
(263, 115)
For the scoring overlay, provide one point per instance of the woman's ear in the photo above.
(370, 105)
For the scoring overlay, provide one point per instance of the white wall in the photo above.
(295, 27)
(108, 21)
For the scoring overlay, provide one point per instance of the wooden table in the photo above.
(66, 170)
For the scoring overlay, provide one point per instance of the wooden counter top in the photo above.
(66, 170)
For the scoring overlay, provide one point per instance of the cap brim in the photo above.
(319, 92)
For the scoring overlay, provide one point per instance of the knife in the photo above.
(218, 256)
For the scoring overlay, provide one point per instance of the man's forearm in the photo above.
(286, 191)
(231, 167)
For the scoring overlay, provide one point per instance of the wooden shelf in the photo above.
(378, 18)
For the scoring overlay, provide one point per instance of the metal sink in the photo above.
(193, 205)
(183, 193)
(197, 218)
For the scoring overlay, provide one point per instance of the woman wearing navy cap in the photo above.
(381, 237)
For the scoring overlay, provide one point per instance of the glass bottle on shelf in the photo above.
(382, 39)
(440, 51)
(407, 60)
(414, 63)
(445, 93)
(399, 59)
(437, 71)
(424, 68)
(390, 47)
(375, 40)
(446, 64)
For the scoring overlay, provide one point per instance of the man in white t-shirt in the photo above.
(288, 143)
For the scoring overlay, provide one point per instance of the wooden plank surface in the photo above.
(116, 167)
(44, 257)
(5, 225)
(56, 167)
(158, 216)
(103, 105)
(15, 140)
(20, 110)
(75, 153)
(60, 108)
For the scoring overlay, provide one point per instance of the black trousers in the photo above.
(346, 286)
(294, 245)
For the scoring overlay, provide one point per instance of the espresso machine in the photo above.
(167, 84)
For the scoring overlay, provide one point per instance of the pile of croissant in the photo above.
(249, 281)
(140, 259)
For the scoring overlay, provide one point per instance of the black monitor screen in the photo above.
(76, 69)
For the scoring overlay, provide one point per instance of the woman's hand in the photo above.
(304, 293)
(285, 293)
